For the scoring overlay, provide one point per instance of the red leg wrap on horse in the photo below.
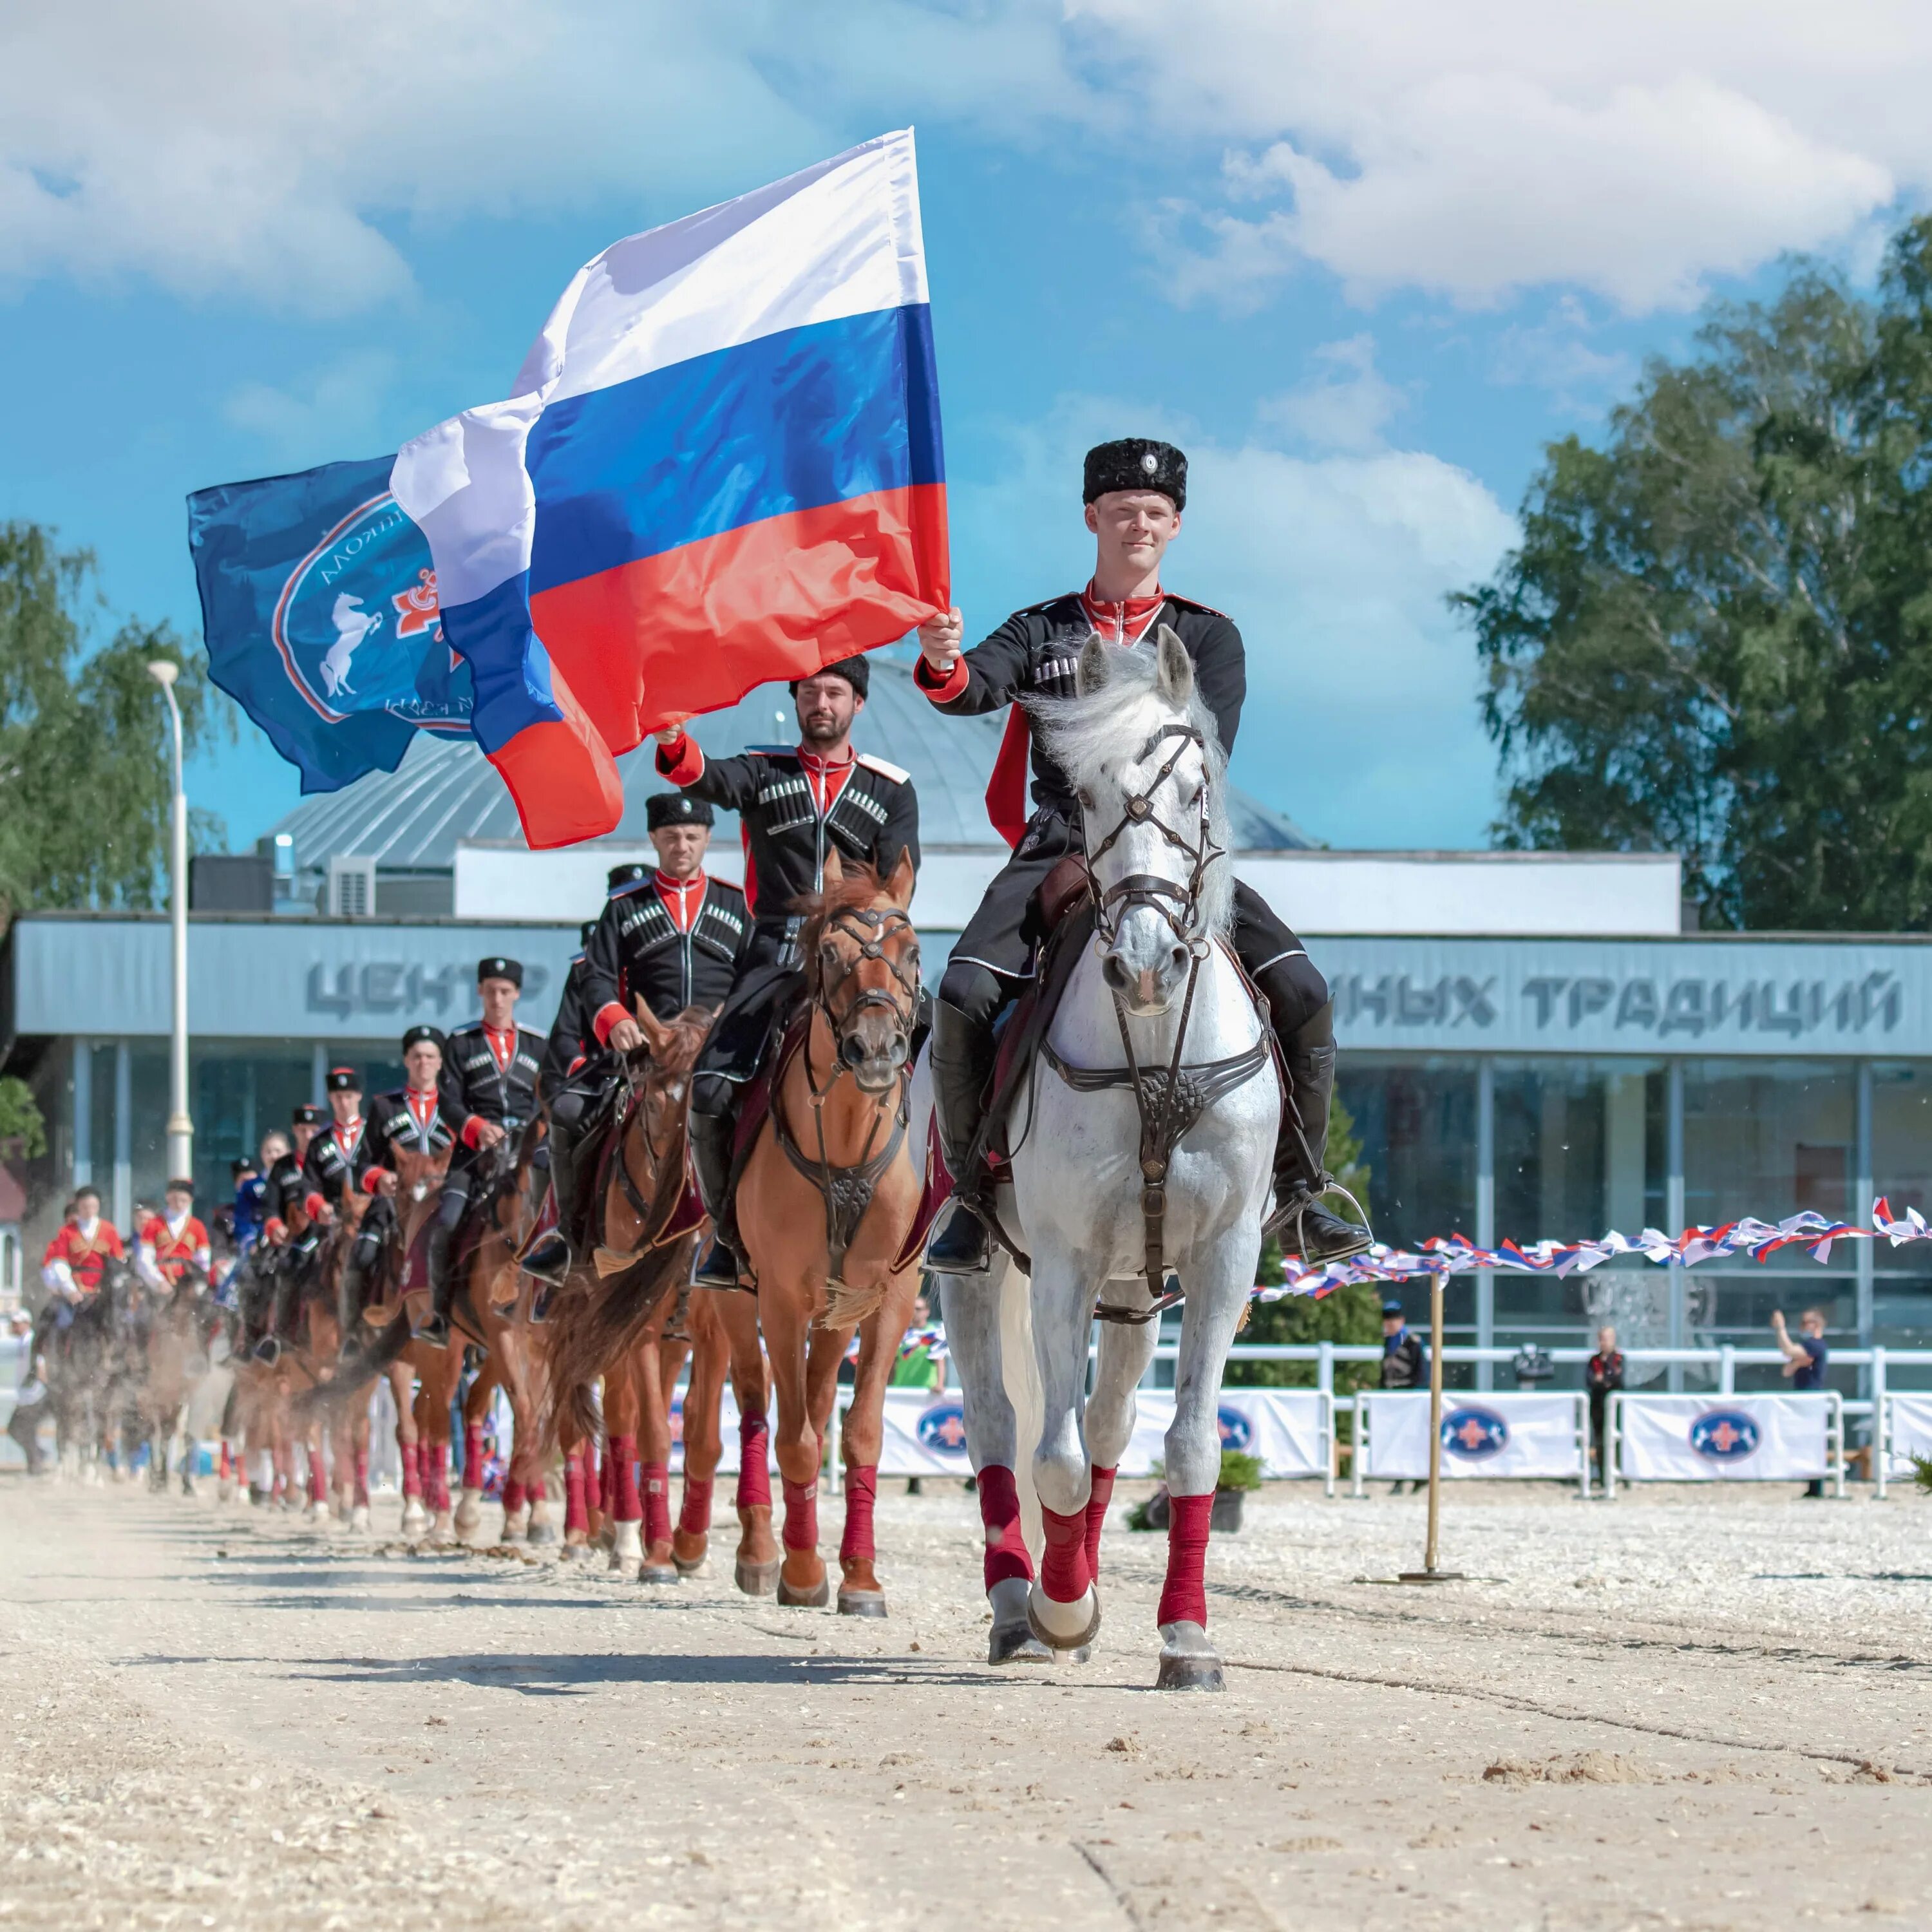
(362, 1479)
(693, 1515)
(411, 1469)
(436, 1475)
(654, 1480)
(514, 1498)
(576, 1508)
(227, 1467)
(1100, 1496)
(602, 1483)
(801, 1514)
(625, 1504)
(1063, 1572)
(318, 1477)
(861, 1491)
(1006, 1555)
(1184, 1597)
(472, 1455)
(754, 1474)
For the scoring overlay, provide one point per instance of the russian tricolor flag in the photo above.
(721, 465)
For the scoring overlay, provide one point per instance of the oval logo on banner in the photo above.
(1724, 1434)
(942, 1429)
(1235, 1433)
(1474, 1433)
(357, 627)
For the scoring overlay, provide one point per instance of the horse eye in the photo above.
(1086, 799)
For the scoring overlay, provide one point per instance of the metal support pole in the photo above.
(1880, 1447)
(124, 1136)
(181, 1126)
(83, 1111)
(1430, 1572)
(1486, 1214)
(1863, 1189)
(1673, 1185)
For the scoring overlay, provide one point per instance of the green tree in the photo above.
(1714, 637)
(85, 761)
(22, 1130)
(1351, 1315)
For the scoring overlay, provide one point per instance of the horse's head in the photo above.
(1142, 751)
(660, 1070)
(861, 968)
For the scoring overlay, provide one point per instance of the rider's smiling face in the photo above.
(1133, 528)
(826, 706)
(681, 849)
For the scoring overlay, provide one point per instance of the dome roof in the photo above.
(445, 792)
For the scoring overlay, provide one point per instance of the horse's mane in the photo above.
(1091, 737)
(859, 886)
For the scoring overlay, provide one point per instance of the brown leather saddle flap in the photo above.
(1032, 1017)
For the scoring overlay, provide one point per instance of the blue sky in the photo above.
(1362, 258)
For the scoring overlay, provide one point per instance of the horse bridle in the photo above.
(847, 1191)
(1169, 1099)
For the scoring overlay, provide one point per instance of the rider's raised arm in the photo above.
(1221, 675)
(992, 674)
(731, 783)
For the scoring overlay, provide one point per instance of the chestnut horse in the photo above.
(610, 1325)
(826, 1204)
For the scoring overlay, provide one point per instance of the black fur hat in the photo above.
(671, 807)
(433, 1034)
(500, 968)
(1137, 462)
(856, 671)
(344, 1080)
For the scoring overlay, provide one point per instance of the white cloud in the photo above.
(1345, 405)
(319, 415)
(1361, 719)
(1474, 147)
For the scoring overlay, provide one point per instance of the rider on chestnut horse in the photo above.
(1135, 489)
(673, 938)
(488, 1093)
(796, 803)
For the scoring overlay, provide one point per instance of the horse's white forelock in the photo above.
(1087, 735)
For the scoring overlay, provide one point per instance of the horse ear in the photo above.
(657, 1034)
(1092, 670)
(835, 873)
(898, 887)
(1175, 681)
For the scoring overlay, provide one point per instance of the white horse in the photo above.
(1112, 1180)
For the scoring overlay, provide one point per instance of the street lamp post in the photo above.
(180, 1128)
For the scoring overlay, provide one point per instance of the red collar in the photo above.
(1124, 623)
(827, 779)
(347, 1131)
(503, 1044)
(681, 897)
(422, 1100)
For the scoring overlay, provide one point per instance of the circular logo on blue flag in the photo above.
(1474, 1432)
(942, 1429)
(358, 628)
(1725, 1435)
(1235, 1433)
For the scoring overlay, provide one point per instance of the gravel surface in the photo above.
(1685, 1709)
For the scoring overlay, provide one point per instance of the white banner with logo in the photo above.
(1497, 1435)
(1908, 1429)
(1709, 1439)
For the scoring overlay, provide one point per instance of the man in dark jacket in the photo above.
(796, 804)
(1404, 1363)
(1135, 491)
(1603, 1377)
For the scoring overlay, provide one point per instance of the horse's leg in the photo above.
(861, 1439)
(409, 1445)
(359, 1429)
(1062, 1606)
(1218, 1281)
(312, 1436)
(1125, 1350)
(783, 1315)
(621, 1407)
(654, 1458)
(756, 1569)
(476, 1407)
(704, 1397)
(973, 1316)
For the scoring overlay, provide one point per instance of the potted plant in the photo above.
(1240, 1473)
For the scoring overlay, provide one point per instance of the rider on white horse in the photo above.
(1135, 491)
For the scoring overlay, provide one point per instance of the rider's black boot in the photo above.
(962, 1058)
(549, 1259)
(435, 1329)
(712, 1135)
(1305, 1227)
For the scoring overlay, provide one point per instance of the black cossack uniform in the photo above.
(570, 1039)
(637, 951)
(393, 1125)
(327, 1170)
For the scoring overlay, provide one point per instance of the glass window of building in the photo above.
(1901, 1159)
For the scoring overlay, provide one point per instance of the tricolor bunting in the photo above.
(721, 465)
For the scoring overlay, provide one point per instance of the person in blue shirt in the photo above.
(1804, 1359)
(1405, 1362)
(251, 1190)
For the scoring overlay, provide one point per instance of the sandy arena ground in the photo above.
(1685, 1709)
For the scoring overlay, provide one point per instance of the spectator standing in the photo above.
(1405, 1361)
(30, 1393)
(1804, 1360)
(921, 1363)
(1603, 1377)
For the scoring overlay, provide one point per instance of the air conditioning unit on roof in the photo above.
(352, 887)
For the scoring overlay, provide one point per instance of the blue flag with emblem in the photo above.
(319, 606)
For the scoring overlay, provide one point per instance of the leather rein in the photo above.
(1171, 1099)
(848, 1190)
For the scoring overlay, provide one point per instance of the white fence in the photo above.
(1747, 1438)
(1500, 1436)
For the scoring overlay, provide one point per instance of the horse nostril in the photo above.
(852, 1050)
(1114, 970)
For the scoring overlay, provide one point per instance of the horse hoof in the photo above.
(1074, 1635)
(1188, 1661)
(756, 1579)
(468, 1512)
(1080, 1654)
(804, 1600)
(1016, 1643)
(542, 1532)
(862, 1603)
(689, 1566)
(516, 1524)
(658, 1573)
(359, 1517)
